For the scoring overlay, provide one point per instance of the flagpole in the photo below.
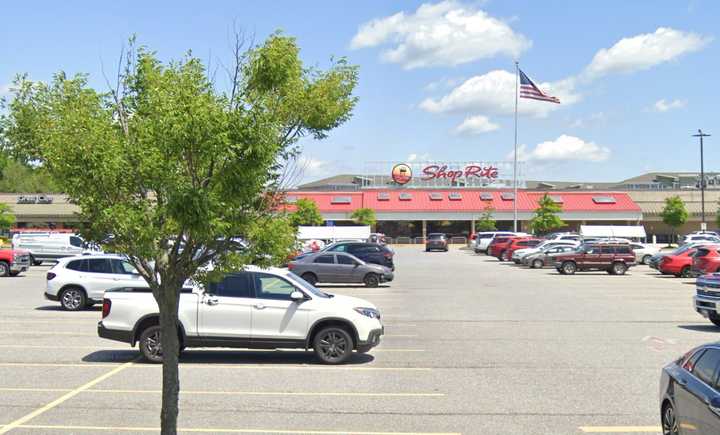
(515, 159)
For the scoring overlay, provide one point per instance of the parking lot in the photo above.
(472, 346)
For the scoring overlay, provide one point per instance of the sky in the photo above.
(437, 78)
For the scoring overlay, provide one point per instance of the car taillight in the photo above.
(106, 308)
(291, 266)
(388, 254)
(50, 276)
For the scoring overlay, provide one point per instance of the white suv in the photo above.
(253, 309)
(80, 281)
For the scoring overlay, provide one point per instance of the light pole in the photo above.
(701, 135)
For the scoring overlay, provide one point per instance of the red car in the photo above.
(520, 243)
(706, 260)
(678, 263)
(499, 245)
(13, 261)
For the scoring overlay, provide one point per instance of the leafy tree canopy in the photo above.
(486, 222)
(674, 214)
(364, 216)
(306, 213)
(7, 219)
(546, 216)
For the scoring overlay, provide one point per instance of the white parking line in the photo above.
(226, 430)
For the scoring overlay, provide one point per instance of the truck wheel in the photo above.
(646, 260)
(4, 268)
(150, 344)
(618, 268)
(73, 299)
(569, 268)
(333, 345)
(310, 278)
(537, 264)
(34, 261)
(371, 280)
(16, 273)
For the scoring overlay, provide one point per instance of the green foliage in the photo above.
(486, 222)
(675, 213)
(306, 213)
(20, 178)
(364, 216)
(7, 219)
(546, 216)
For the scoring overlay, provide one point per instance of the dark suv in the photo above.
(436, 241)
(614, 258)
(367, 252)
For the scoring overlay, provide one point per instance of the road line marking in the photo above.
(227, 393)
(33, 346)
(69, 395)
(53, 321)
(398, 350)
(620, 429)
(400, 335)
(221, 430)
(224, 366)
(2, 332)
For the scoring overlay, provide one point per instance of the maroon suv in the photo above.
(614, 258)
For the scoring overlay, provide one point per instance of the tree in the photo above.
(364, 216)
(174, 167)
(486, 222)
(7, 219)
(674, 214)
(306, 213)
(546, 217)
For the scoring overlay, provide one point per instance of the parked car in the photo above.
(564, 236)
(678, 263)
(499, 244)
(339, 267)
(13, 262)
(252, 308)
(690, 394)
(643, 253)
(484, 238)
(693, 238)
(367, 252)
(614, 258)
(655, 260)
(520, 243)
(50, 246)
(546, 257)
(707, 297)
(79, 282)
(436, 241)
(520, 254)
(706, 259)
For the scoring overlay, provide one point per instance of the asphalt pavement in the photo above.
(472, 346)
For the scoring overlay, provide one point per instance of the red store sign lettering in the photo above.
(435, 171)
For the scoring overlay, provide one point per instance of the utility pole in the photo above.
(701, 135)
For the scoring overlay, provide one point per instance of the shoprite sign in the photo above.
(490, 173)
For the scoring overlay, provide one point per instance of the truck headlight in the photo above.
(369, 312)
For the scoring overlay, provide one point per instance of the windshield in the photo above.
(307, 287)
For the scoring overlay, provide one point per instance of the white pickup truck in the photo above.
(253, 309)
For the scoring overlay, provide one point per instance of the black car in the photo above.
(436, 241)
(690, 393)
(367, 252)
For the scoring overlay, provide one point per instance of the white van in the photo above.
(50, 246)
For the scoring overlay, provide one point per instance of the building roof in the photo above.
(463, 200)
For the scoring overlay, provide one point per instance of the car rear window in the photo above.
(484, 236)
(501, 239)
(325, 259)
(78, 265)
(622, 249)
(436, 236)
(707, 365)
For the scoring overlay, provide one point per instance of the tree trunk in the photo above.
(168, 302)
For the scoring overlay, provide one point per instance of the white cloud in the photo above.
(494, 93)
(442, 84)
(664, 106)
(476, 125)
(644, 51)
(445, 33)
(564, 148)
(597, 118)
(414, 157)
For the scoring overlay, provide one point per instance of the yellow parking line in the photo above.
(226, 366)
(227, 393)
(220, 430)
(69, 395)
(620, 429)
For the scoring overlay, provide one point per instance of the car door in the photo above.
(125, 274)
(98, 278)
(226, 308)
(696, 392)
(589, 258)
(277, 320)
(324, 267)
(347, 268)
(75, 246)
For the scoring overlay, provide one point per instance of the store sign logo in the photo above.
(401, 173)
(431, 172)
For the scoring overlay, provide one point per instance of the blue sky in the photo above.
(436, 77)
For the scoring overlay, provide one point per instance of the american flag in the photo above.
(529, 90)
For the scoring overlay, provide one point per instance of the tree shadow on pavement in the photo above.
(235, 357)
